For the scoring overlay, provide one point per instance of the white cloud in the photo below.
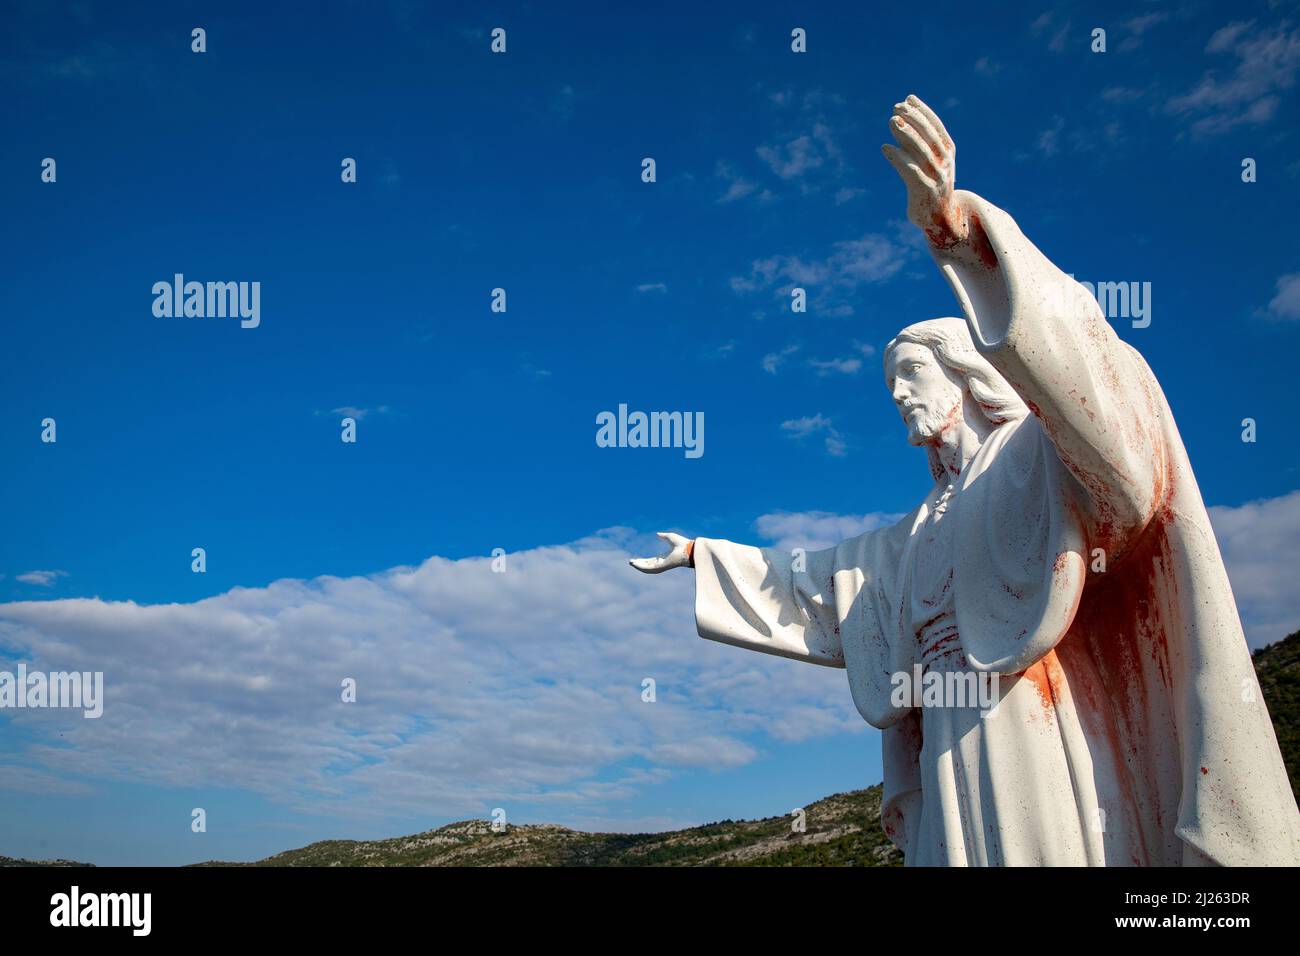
(1225, 38)
(43, 579)
(1267, 61)
(1286, 304)
(1259, 542)
(803, 154)
(1046, 22)
(773, 360)
(851, 263)
(1049, 140)
(813, 530)
(1136, 29)
(652, 287)
(845, 366)
(738, 187)
(793, 159)
(20, 779)
(1140, 25)
(474, 689)
(800, 428)
(808, 425)
(351, 411)
(1122, 94)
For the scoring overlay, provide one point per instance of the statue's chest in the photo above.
(927, 593)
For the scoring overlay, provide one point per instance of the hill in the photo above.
(841, 830)
(15, 861)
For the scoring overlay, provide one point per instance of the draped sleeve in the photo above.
(768, 599)
(837, 607)
(1092, 393)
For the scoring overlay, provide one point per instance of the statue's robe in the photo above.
(1151, 743)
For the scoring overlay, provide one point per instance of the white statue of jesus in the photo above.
(1064, 547)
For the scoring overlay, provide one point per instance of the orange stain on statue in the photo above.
(1048, 679)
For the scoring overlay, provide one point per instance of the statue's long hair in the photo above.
(949, 339)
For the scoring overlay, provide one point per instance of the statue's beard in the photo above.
(931, 424)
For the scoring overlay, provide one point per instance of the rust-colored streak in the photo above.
(979, 241)
(1123, 622)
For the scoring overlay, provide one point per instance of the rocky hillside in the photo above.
(842, 830)
(14, 861)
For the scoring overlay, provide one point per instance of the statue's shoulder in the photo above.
(1017, 436)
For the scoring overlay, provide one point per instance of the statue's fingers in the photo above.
(937, 145)
(917, 150)
(912, 175)
(932, 117)
(895, 158)
(648, 565)
(899, 161)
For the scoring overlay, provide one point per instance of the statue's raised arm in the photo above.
(1043, 332)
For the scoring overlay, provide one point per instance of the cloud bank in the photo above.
(475, 689)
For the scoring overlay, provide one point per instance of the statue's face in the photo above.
(928, 393)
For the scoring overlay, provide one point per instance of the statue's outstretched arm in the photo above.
(764, 599)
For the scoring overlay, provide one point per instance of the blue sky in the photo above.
(476, 429)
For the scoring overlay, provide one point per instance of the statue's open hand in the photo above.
(678, 557)
(926, 159)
